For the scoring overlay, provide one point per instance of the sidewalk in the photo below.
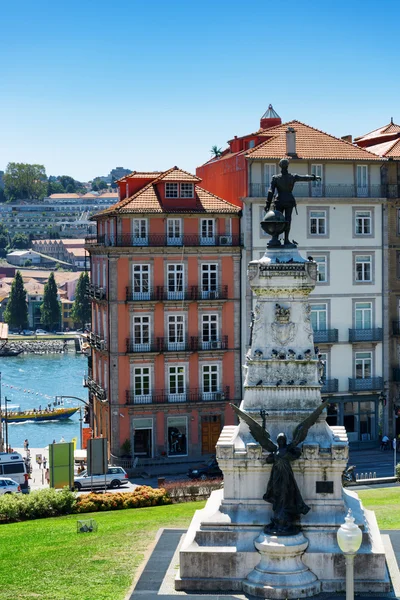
(37, 481)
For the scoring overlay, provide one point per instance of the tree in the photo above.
(67, 181)
(95, 187)
(4, 237)
(50, 309)
(20, 241)
(54, 187)
(81, 310)
(24, 181)
(16, 312)
(216, 152)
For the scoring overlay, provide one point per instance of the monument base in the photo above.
(281, 572)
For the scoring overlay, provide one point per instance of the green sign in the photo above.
(61, 465)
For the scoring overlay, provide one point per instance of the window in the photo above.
(177, 436)
(187, 190)
(363, 222)
(176, 332)
(207, 232)
(174, 232)
(141, 282)
(141, 385)
(209, 329)
(171, 190)
(363, 315)
(316, 186)
(209, 281)
(362, 181)
(363, 365)
(269, 172)
(363, 271)
(175, 282)
(139, 232)
(318, 222)
(143, 434)
(322, 268)
(141, 334)
(318, 317)
(177, 384)
(210, 379)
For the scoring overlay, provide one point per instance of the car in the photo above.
(115, 478)
(40, 332)
(209, 470)
(9, 486)
(28, 332)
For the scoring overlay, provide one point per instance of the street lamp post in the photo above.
(6, 401)
(349, 538)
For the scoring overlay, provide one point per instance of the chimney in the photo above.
(347, 138)
(290, 142)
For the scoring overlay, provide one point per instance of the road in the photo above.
(374, 461)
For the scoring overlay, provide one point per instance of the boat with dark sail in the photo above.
(56, 414)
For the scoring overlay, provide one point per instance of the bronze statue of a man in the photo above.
(282, 185)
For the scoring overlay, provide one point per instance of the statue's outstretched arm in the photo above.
(260, 434)
(307, 177)
(300, 433)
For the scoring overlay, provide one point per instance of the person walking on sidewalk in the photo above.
(47, 476)
(44, 462)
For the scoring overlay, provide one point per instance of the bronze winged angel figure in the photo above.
(282, 490)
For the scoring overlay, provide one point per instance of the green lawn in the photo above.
(386, 504)
(47, 560)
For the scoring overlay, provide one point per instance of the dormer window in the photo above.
(187, 190)
(171, 190)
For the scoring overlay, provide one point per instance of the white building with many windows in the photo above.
(340, 224)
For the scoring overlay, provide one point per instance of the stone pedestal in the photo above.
(282, 378)
(281, 572)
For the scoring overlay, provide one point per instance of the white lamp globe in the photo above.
(349, 535)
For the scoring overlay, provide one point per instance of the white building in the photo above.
(340, 223)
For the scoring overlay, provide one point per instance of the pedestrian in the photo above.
(47, 476)
(54, 442)
(25, 445)
(62, 441)
(44, 462)
(385, 443)
(39, 460)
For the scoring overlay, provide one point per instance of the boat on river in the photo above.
(56, 414)
(7, 351)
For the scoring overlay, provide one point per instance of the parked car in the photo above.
(115, 478)
(209, 470)
(9, 486)
(40, 332)
(28, 332)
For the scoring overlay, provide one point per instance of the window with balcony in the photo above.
(187, 190)
(174, 232)
(209, 281)
(316, 186)
(177, 436)
(209, 330)
(141, 385)
(141, 334)
(139, 232)
(175, 282)
(319, 316)
(176, 332)
(362, 181)
(363, 315)
(322, 268)
(269, 172)
(176, 384)
(363, 222)
(210, 380)
(171, 190)
(363, 268)
(363, 365)
(318, 224)
(141, 282)
(207, 232)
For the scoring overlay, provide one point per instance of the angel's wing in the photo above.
(259, 433)
(300, 432)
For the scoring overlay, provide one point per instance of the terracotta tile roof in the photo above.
(146, 200)
(386, 149)
(385, 130)
(63, 196)
(311, 144)
(140, 175)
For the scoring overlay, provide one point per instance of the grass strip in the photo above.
(385, 502)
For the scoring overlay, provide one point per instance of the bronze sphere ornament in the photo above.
(274, 224)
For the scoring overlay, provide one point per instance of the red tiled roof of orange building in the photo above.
(390, 148)
(176, 174)
(140, 175)
(381, 131)
(311, 143)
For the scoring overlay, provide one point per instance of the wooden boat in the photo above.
(58, 414)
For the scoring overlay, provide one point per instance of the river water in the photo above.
(30, 380)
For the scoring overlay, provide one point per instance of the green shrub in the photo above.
(36, 505)
(398, 471)
(142, 496)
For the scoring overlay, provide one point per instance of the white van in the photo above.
(13, 466)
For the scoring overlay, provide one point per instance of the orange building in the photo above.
(165, 289)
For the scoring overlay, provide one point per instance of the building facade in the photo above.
(165, 289)
(340, 223)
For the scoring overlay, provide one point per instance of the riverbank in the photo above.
(40, 346)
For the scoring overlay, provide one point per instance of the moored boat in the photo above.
(57, 414)
(6, 351)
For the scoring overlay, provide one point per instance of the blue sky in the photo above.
(91, 84)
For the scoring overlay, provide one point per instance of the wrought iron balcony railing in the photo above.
(97, 341)
(396, 327)
(96, 389)
(133, 346)
(176, 397)
(164, 293)
(187, 344)
(326, 336)
(161, 240)
(365, 335)
(330, 386)
(366, 384)
(326, 190)
(96, 292)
